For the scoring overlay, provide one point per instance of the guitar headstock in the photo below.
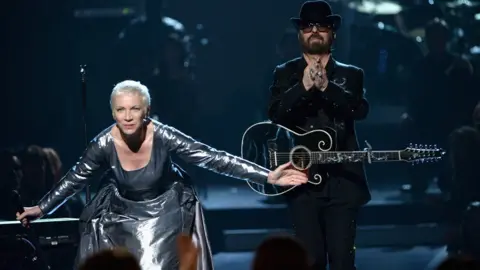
(422, 153)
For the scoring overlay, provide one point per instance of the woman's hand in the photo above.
(30, 213)
(282, 176)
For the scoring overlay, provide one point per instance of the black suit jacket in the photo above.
(339, 106)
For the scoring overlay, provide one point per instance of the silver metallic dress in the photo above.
(145, 210)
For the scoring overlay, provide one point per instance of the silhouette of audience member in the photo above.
(280, 253)
(117, 258)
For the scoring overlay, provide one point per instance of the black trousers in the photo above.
(326, 228)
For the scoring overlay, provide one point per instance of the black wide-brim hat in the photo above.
(317, 12)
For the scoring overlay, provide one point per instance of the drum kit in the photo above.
(388, 37)
(410, 19)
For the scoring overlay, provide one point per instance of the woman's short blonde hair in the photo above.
(129, 86)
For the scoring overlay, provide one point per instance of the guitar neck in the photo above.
(355, 156)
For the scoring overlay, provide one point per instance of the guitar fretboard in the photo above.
(354, 156)
(342, 157)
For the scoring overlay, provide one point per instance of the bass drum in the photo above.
(386, 56)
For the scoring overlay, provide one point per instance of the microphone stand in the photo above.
(84, 116)
(38, 258)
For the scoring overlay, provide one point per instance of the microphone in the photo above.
(18, 206)
(17, 202)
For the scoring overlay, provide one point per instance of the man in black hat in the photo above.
(312, 92)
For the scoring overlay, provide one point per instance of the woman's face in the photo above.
(129, 112)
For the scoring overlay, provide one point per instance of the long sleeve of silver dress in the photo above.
(202, 155)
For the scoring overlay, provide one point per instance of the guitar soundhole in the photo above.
(300, 158)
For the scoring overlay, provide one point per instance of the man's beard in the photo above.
(318, 47)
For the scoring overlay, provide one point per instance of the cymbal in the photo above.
(376, 7)
(461, 3)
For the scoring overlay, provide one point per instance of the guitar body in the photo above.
(271, 145)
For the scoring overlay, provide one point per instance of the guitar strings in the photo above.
(355, 155)
(332, 154)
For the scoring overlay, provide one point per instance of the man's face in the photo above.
(315, 38)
